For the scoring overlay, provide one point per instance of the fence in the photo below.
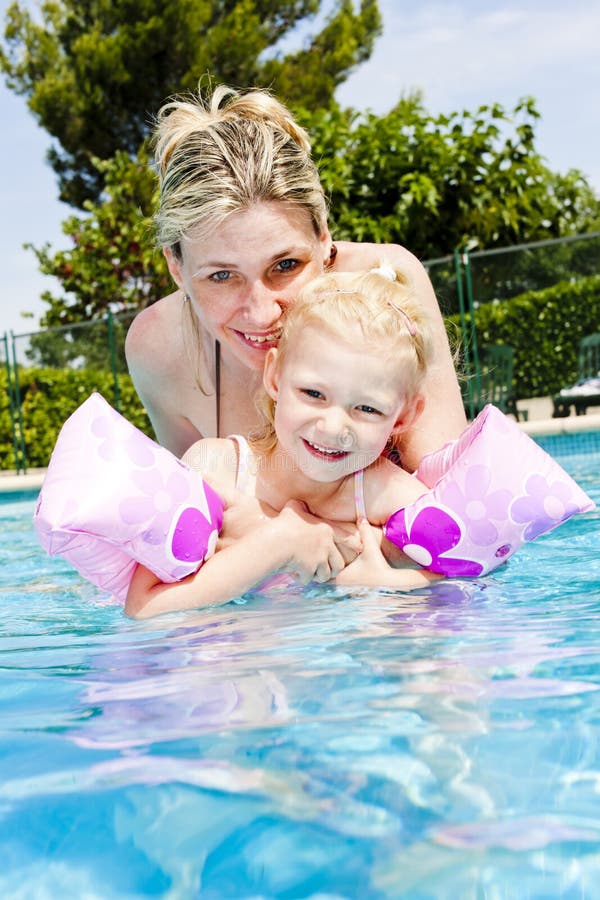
(463, 281)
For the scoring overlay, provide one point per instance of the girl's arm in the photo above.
(293, 541)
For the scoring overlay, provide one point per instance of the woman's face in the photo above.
(242, 277)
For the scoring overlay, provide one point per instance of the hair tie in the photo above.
(385, 270)
(410, 325)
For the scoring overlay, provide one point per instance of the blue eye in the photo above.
(370, 410)
(287, 265)
(222, 275)
(311, 392)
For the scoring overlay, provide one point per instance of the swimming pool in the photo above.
(314, 743)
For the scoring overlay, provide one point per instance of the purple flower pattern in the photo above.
(155, 507)
(125, 445)
(543, 506)
(432, 534)
(477, 506)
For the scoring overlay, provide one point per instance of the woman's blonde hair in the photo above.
(383, 304)
(221, 153)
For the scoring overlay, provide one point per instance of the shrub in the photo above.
(545, 328)
(48, 397)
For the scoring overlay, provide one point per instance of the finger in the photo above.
(368, 534)
(322, 573)
(349, 552)
(336, 562)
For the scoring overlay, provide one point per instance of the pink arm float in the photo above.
(113, 497)
(491, 491)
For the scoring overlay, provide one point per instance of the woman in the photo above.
(242, 221)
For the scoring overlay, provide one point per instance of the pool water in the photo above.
(311, 743)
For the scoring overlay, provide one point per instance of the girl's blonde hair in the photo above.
(221, 153)
(393, 324)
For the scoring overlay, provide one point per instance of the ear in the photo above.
(409, 415)
(271, 374)
(325, 242)
(174, 264)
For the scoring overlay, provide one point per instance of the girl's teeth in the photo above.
(325, 449)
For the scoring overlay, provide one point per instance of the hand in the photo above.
(314, 554)
(371, 568)
(347, 539)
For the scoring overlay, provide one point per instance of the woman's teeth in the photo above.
(262, 338)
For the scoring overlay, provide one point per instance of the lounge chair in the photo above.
(586, 390)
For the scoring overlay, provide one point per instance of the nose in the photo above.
(263, 306)
(335, 426)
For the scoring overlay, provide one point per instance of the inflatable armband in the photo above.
(492, 490)
(113, 497)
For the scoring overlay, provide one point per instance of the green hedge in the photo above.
(545, 328)
(48, 397)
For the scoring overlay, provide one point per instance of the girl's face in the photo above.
(337, 403)
(242, 278)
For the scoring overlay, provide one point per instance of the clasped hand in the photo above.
(315, 550)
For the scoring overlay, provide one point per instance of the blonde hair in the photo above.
(393, 323)
(221, 153)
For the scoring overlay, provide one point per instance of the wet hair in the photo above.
(223, 152)
(393, 324)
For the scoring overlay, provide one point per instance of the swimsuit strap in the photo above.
(218, 385)
(244, 458)
(359, 494)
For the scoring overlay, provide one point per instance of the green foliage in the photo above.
(545, 328)
(433, 183)
(94, 73)
(48, 397)
(113, 263)
(310, 76)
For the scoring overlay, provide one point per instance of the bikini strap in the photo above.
(218, 386)
(244, 457)
(359, 494)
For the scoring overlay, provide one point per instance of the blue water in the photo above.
(312, 744)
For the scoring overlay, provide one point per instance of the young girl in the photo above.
(342, 385)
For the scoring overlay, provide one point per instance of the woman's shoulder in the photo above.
(154, 336)
(355, 257)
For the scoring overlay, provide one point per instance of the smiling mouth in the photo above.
(262, 341)
(324, 452)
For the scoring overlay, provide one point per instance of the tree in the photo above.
(430, 183)
(434, 183)
(113, 265)
(94, 72)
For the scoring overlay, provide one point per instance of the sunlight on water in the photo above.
(310, 743)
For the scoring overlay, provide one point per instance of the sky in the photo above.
(459, 54)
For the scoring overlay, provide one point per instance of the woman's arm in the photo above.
(293, 541)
